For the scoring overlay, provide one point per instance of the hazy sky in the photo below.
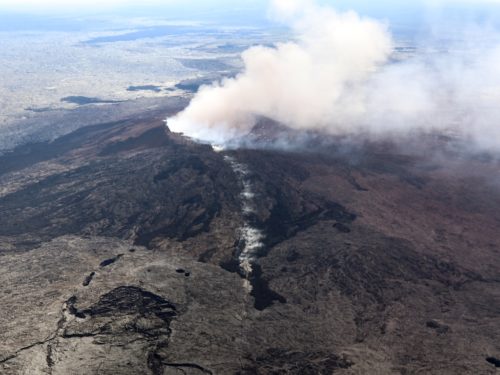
(406, 13)
(99, 5)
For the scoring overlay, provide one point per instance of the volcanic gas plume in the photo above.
(338, 76)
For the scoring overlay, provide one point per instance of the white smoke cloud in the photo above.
(303, 83)
(337, 76)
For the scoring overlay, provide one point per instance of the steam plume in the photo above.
(337, 76)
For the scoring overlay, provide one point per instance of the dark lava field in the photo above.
(121, 244)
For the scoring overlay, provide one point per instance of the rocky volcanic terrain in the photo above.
(126, 249)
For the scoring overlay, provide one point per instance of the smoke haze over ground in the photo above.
(339, 76)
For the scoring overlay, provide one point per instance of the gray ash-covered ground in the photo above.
(120, 245)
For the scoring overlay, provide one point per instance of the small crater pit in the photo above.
(494, 361)
(438, 327)
(110, 261)
(88, 279)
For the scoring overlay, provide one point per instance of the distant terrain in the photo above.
(100, 61)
